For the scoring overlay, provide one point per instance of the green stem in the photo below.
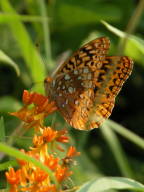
(18, 154)
(134, 20)
(46, 31)
(132, 24)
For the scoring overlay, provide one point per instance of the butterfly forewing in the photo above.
(85, 86)
(90, 54)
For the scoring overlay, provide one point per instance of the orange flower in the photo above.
(13, 176)
(49, 134)
(51, 162)
(61, 136)
(45, 144)
(24, 114)
(40, 101)
(34, 116)
(68, 160)
(72, 152)
(62, 173)
(51, 188)
(39, 175)
(27, 97)
(37, 141)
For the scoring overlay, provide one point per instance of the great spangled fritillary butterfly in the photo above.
(84, 87)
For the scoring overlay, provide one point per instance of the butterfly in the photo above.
(84, 87)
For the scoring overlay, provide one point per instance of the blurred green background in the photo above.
(35, 35)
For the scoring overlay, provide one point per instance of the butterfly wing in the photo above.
(85, 86)
(117, 70)
(89, 54)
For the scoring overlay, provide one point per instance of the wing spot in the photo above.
(67, 77)
(89, 77)
(82, 84)
(58, 88)
(79, 77)
(90, 84)
(70, 90)
(76, 102)
(63, 87)
(75, 72)
(59, 83)
(85, 70)
(66, 101)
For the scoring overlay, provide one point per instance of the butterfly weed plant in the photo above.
(46, 148)
(46, 144)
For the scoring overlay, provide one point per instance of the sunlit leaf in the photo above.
(107, 183)
(134, 45)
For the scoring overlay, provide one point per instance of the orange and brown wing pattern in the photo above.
(118, 69)
(90, 54)
(94, 104)
(85, 86)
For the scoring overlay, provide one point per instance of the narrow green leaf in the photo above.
(126, 133)
(134, 45)
(107, 183)
(46, 34)
(2, 130)
(18, 154)
(30, 54)
(6, 17)
(6, 165)
(7, 60)
(117, 150)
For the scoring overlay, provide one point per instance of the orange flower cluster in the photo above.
(46, 144)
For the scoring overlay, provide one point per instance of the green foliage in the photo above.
(56, 26)
(2, 130)
(107, 183)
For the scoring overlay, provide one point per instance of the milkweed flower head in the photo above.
(46, 146)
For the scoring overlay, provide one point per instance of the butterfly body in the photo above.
(85, 86)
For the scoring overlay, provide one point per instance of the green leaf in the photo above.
(30, 54)
(4, 18)
(117, 150)
(18, 154)
(107, 183)
(7, 60)
(6, 165)
(86, 14)
(9, 104)
(126, 133)
(46, 34)
(134, 45)
(2, 130)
